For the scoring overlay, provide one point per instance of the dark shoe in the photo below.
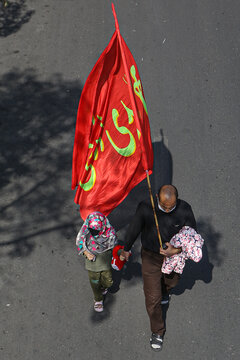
(156, 342)
(166, 299)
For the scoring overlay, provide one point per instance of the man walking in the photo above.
(172, 214)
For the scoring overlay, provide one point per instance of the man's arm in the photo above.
(170, 250)
(134, 229)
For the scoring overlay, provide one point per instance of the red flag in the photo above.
(112, 147)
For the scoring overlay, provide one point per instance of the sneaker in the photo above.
(165, 299)
(98, 306)
(156, 342)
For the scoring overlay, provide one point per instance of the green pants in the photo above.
(100, 280)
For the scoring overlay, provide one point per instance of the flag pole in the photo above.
(137, 120)
(154, 210)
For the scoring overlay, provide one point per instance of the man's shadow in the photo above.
(213, 255)
(162, 174)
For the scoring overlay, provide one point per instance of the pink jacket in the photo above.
(191, 243)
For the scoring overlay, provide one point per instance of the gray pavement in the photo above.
(188, 57)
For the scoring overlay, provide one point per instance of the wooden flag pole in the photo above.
(154, 211)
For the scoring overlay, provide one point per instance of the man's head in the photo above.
(167, 198)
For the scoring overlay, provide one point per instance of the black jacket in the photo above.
(169, 224)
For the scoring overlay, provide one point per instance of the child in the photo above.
(96, 240)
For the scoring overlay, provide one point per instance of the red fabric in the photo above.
(108, 172)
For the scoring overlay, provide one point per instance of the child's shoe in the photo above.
(98, 306)
(104, 292)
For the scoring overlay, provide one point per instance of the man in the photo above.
(172, 214)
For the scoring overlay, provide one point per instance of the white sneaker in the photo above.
(98, 306)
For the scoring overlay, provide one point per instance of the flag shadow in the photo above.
(162, 174)
(121, 216)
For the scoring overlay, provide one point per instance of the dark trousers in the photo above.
(155, 285)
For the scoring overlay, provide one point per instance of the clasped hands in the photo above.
(89, 256)
(169, 251)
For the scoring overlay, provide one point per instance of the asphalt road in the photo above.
(188, 57)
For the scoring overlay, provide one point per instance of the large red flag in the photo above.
(112, 147)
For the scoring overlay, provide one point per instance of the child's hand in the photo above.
(124, 255)
(89, 255)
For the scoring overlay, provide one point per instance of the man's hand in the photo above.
(170, 251)
(124, 255)
(88, 255)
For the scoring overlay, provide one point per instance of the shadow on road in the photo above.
(131, 271)
(121, 216)
(163, 164)
(37, 124)
(162, 174)
(213, 255)
(13, 16)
